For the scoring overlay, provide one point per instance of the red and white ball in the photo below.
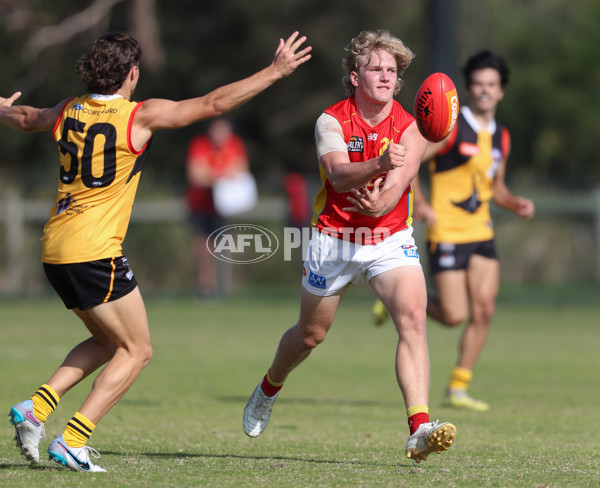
(436, 107)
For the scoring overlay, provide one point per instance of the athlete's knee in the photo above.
(484, 312)
(452, 319)
(147, 354)
(411, 321)
(311, 337)
(141, 354)
(453, 316)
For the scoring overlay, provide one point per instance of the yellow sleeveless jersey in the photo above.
(461, 180)
(99, 175)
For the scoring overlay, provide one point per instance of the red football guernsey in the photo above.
(364, 142)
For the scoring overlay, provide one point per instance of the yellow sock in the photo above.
(460, 379)
(78, 431)
(271, 382)
(44, 401)
(410, 411)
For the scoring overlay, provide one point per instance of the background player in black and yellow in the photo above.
(102, 139)
(467, 170)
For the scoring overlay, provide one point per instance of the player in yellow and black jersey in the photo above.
(467, 171)
(102, 139)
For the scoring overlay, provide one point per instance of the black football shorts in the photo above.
(84, 285)
(446, 256)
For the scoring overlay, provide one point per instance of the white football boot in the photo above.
(430, 437)
(258, 412)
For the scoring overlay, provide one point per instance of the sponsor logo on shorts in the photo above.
(410, 251)
(447, 261)
(317, 281)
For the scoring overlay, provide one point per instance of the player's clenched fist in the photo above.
(393, 157)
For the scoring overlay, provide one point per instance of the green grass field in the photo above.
(340, 419)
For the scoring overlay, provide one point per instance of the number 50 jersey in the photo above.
(99, 175)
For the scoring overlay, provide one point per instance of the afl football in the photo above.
(436, 107)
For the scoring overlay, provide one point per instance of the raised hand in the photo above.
(7, 102)
(287, 57)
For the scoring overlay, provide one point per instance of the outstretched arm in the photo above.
(503, 197)
(158, 114)
(28, 119)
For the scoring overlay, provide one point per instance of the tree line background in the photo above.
(191, 47)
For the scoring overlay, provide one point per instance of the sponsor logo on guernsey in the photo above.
(106, 110)
(356, 144)
(64, 203)
(468, 149)
(317, 281)
(77, 106)
(372, 136)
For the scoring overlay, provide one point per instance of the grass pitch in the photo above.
(340, 419)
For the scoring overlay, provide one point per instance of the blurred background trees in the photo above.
(191, 47)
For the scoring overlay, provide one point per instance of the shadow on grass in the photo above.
(167, 455)
(35, 467)
(317, 401)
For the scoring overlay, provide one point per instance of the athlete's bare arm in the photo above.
(156, 114)
(28, 119)
(504, 198)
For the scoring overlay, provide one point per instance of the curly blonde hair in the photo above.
(359, 51)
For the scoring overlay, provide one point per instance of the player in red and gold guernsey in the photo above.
(466, 173)
(369, 149)
(102, 139)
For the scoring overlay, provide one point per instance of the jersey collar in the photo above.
(470, 118)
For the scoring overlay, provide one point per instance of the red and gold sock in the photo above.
(417, 415)
(270, 387)
(78, 431)
(44, 401)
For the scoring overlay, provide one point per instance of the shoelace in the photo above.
(93, 451)
(265, 407)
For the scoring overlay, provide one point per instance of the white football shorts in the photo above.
(333, 263)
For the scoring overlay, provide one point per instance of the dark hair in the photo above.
(105, 66)
(486, 59)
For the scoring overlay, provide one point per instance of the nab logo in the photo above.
(356, 144)
(317, 281)
(410, 252)
(242, 243)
